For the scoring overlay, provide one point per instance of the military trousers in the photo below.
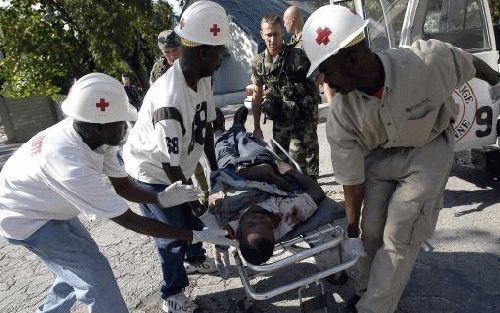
(403, 196)
(300, 139)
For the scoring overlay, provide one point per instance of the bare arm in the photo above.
(151, 227)
(174, 173)
(485, 72)
(309, 185)
(126, 188)
(256, 106)
(354, 195)
(209, 147)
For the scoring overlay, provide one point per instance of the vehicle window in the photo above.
(459, 22)
(386, 21)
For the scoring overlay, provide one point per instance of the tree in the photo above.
(495, 11)
(49, 42)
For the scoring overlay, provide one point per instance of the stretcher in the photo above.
(322, 232)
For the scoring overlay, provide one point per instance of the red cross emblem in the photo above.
(323, 35)
(181, 23)
(215, 29)
(102, 104)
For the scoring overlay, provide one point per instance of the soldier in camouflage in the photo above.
(290, 99)
(294, 22)
(170, 45)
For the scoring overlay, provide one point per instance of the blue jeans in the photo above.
(82, 272)
(173, 252)
(237, 147)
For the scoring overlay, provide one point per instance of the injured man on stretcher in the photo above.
(258, 199)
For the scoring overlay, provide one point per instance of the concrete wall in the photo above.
(23, 118)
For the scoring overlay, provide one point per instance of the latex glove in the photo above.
(215, 236)
(495, 92)
(352, 248)
(176, 194)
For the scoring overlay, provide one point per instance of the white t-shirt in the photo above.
(170, 128)
(56, 176)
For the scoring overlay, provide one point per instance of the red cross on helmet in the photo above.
(204, 23)
(329, 29)
(98, 98)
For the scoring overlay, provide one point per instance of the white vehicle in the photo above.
(464, 23)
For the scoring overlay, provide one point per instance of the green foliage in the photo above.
(47, 43)
(495, 11)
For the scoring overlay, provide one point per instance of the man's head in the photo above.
(292, 20)
(271, 33)
(206, 59)
(170, 45)
(99, 106)
(344, 71)
(255, 235)
(125, 79)
(204, 32)
(333, 40)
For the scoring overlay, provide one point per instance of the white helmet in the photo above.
(204, 23)
(98, 98)
(329, 29)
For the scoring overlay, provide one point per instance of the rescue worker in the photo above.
(294, 23)
(290, 99)
(172, 132)
(170, 45)
(56, 176)
(134, 94)
(391, 136)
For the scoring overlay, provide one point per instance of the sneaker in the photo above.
(205, 267)
(179, 303)
(219, 123)
(240, 117)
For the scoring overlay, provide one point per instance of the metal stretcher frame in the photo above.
(328, 229)
(290, 260)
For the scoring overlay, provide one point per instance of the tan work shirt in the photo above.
(416, 106)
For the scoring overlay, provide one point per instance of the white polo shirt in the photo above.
(170, 128)
(416, 106)
(56, 176)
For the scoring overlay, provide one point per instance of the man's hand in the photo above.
(215, 236)
(176, 194)
(495, 92)
(283, 167)
(258, 134)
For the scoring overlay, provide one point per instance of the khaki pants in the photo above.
(403, 195)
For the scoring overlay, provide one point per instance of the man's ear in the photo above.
(262, 35)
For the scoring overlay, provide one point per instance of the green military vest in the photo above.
(286, 82)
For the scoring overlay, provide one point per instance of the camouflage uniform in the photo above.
(291, 101)
(296, 41)
(160, 67)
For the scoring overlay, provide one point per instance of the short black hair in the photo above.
(258, 251)
(125, 75)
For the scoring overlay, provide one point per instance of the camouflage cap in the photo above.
(168, 39)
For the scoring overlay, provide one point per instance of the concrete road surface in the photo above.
(460, 275)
